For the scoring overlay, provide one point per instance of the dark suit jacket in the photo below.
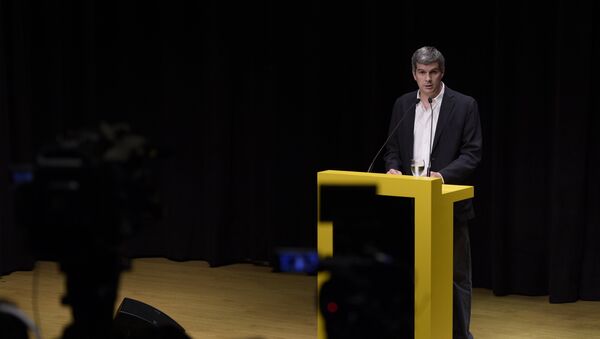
(456, 145)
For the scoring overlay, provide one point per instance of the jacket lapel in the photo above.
(446, 112)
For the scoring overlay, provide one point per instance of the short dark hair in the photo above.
(427, 55)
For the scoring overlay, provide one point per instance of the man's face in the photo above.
(429, 79)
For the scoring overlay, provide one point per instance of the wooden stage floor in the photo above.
(245, 301)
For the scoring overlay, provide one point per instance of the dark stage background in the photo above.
(254, 98)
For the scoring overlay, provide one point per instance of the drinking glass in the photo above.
(417, 167)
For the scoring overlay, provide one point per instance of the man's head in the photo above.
(428, 66)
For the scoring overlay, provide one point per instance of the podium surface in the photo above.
(433, 242)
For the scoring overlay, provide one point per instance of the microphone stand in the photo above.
(390, 135)
(430, 137)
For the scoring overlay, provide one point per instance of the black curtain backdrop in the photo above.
(251, 99)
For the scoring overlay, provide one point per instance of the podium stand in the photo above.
(433, 242)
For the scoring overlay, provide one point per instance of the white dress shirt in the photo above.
(422, 130)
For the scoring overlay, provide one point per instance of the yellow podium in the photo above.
(433, 242)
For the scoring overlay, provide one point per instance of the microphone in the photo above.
(430, 137)
(392, 133)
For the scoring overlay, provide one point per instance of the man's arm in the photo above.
(470, 150)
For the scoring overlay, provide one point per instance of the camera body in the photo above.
(85, 193)
(366, 297)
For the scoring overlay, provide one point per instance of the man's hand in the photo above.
(436, 175)
(394, 171)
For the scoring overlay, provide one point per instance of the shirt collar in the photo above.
(437, 97)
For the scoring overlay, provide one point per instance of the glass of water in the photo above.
(417, 167)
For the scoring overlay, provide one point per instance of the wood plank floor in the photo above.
(245, 301)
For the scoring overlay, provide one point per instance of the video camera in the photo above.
(85, 193)
(370, 290)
